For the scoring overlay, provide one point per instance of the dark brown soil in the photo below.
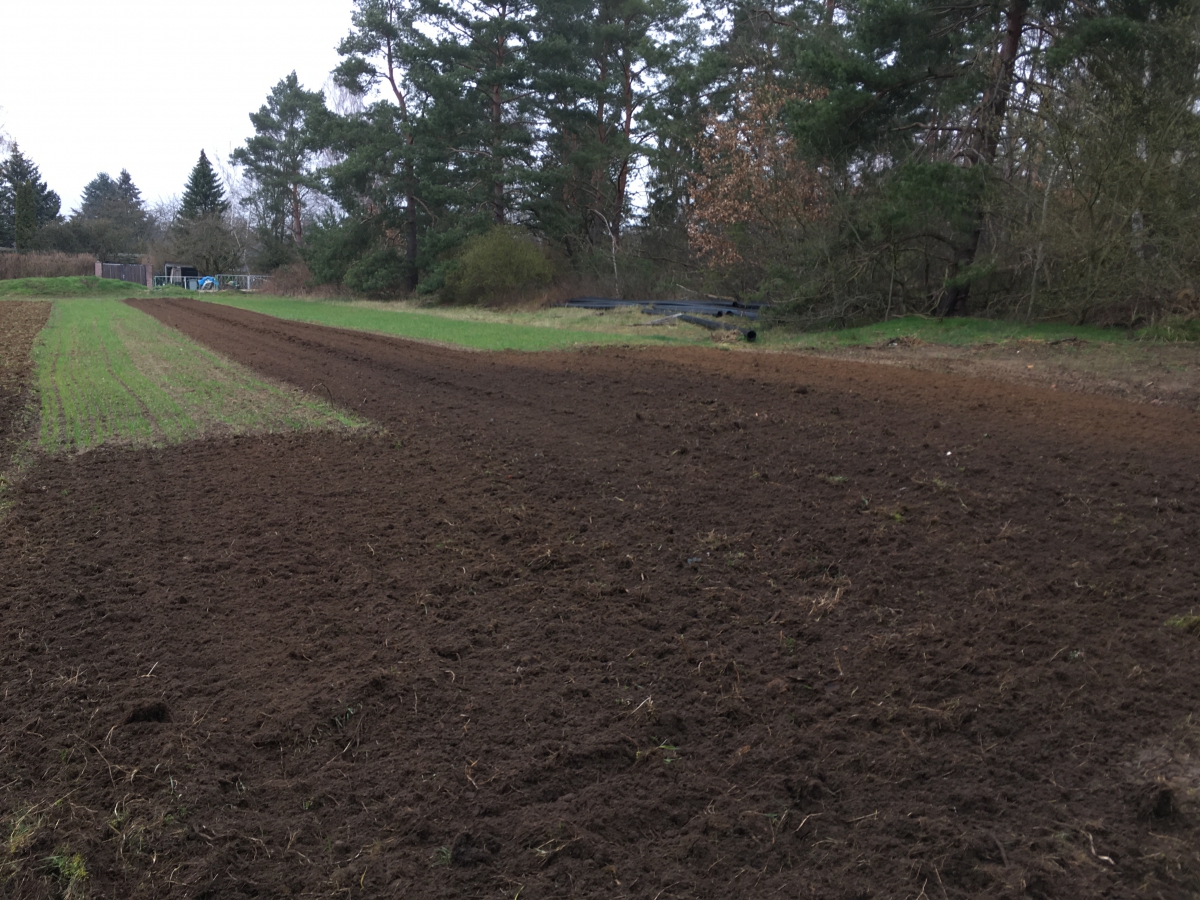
(615, 623)
(1140, 371)
(20, 322)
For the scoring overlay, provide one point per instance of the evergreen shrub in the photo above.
(382, 272)
(496, 265)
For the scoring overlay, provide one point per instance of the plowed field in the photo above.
(644, 623)
(20, 321)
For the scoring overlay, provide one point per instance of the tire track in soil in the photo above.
(813, 654)
(155, 426)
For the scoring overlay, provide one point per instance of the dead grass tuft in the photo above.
(826, 602)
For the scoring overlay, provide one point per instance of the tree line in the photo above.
(1027, 158)
(113, 222)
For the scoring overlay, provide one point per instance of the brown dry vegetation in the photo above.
(752, 183)
(296, 280)
(45, 265)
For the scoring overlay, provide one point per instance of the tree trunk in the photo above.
(498, 211)
(297, 218)
(410, 175)
(954, 301)
(992, 109)
(622, 180)
(410, 228)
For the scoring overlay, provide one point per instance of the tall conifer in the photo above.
(384, 49)
(111, 220)
(280, 159)
(13, 171)
(129, 190)
(203, 194)
(25, 226)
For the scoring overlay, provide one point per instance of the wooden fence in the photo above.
(122, 272)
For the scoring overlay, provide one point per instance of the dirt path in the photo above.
(617, 623)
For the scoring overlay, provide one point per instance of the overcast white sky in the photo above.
(143, 85)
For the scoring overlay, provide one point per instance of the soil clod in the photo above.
(154, 712)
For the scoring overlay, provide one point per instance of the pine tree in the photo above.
(597, 67)
(280, 159)
(100, 195)
(479, 74)
(13, 172)
(385, 49)
(129, 191)
(203, 195)
(904, 104)
(25, 224)
(111, 221)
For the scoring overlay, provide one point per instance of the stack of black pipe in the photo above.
(685, 310)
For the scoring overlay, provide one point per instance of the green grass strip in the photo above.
(108, 374)
(553, 329)
(559, 328)
(74, 286)
(80, 286)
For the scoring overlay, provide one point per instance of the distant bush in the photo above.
(496, 266)
(46, 265)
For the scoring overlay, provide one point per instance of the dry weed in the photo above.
(826, 603)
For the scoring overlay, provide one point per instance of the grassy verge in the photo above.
(79, 286)
(957, 332)
(107, 373)
(559, 327)
(481, 329)
(74, 286)
(1173, 330)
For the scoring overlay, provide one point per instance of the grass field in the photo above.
(480, 329)
(74, 286)
(107, 373)
(81, 286)
(561, 327)
(1159, 365)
